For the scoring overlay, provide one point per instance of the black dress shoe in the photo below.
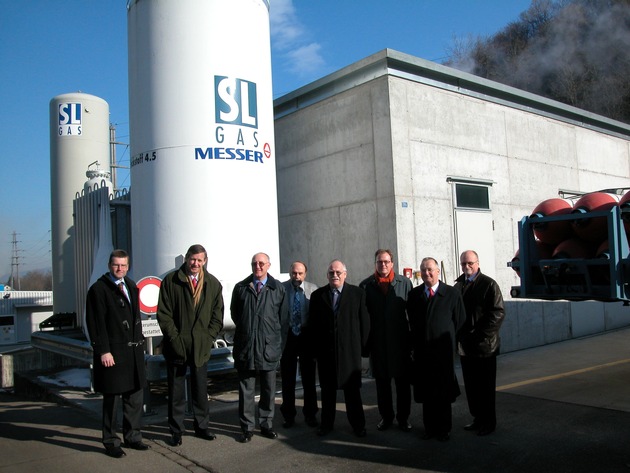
(383, 425)
(311, 421)
(205, 434)
(269, 433)
(443, 437)
(360, 433)
(246, 437)
(472, 426)
(139, 445)
(114, 452)
(288, 423)
(404, 426)
(322, 431)
(176, 440)
(485, 430)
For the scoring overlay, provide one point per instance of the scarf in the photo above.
(196, 292)
(384, 283)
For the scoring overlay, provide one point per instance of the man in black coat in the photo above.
(115, 331)
(436, 313)
(390, 342)
(340, 325)
(479, 341)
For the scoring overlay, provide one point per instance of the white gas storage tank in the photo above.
(202, 136)
(79, 136)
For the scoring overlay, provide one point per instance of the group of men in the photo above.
(411, 336)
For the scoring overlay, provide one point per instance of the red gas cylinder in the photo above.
(544, 252)
(573, 248)
(593, 229)
(552, 233)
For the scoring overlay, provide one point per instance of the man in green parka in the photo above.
(190, 314)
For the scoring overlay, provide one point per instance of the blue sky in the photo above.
(48, 48)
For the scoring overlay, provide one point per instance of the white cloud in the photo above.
(290, 39)
(306, 59)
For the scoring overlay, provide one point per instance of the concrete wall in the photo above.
(350, 161)
(335, 182)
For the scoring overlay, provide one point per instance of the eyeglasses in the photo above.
(259, 263)
(335, 273)
(119, 265)
(386, 263)
(468, 263)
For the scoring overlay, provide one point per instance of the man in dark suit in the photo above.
(298, 292)
(390, 343)
(479, 341)
(436, 313)
(115, 330)
(190, 314)
(340, 325)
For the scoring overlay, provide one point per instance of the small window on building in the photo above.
(4, 321)
(472, 197)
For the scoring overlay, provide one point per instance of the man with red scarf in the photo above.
(390, 344)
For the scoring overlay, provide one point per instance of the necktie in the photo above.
(259, 286)
(335, 301)
(121, 287)
(431, 293)
(194, 283)
(296, 316)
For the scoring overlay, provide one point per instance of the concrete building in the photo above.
(402, 153)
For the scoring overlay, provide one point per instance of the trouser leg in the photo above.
(132, 415)
(110, 409)
(288, 373)
(246, 402)
(354, 407)
(384, 399)
(329, 406)
(307, 371)
(403, 398)
(176, 377)
(199, 394)
(266, 405)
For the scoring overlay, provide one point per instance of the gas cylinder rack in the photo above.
(604, 276)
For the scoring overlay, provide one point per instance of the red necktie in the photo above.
(194, 283)
(431, 293)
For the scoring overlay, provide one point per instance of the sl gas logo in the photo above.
(236, 102)
(70, 119)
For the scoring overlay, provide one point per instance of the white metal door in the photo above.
(474, 231)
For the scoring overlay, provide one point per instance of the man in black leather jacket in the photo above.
(479, 341)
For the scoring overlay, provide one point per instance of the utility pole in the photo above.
(15, 263)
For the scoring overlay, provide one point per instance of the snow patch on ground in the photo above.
(74, 377)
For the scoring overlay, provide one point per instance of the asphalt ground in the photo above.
(563, 407)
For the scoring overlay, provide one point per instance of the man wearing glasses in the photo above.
(261, 316)
(390, 343)
(479, 342)
(340, 325)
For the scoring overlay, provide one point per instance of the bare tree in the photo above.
(36, 280)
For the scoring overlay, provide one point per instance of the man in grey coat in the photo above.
(390, 341)
(260, 314)
(297, 348)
